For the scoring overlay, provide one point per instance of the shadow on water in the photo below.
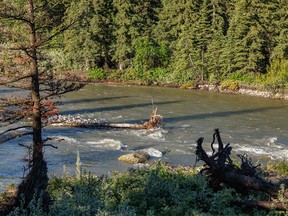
(218, 114)
(8, 91)
(208, 115)
(92, 100)
(112, 108)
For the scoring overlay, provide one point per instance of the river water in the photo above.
(255, 126)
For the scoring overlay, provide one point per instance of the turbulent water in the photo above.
(252, 125)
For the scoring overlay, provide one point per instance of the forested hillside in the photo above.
(169, 41)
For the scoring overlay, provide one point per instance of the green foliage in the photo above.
(246, 78)
(280, 167)
(230, 85)
(276, 78)
(34, 208)
(156, 190)
(96, 73)
(150, 61)
(75, 196)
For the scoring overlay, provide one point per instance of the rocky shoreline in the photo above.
(244, 90)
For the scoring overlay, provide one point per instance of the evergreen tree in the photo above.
(216, 43)
(247, 47)
(87, 44)
(171, 18)
(203, 35)
(134, 21)
(102, 29)
(179, 32)
(279, 29)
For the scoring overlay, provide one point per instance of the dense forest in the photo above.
(169, 42)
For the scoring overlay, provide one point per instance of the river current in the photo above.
(254, 126)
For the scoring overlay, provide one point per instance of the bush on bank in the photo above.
(156, 190)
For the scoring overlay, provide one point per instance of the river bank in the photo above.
(244, 90)
(241, 89)
(226, 86)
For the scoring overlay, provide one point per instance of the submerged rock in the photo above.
(134, 158)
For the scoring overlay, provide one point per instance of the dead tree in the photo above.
(220, 169)
(27, 26)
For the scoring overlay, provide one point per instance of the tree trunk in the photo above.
(36, 182)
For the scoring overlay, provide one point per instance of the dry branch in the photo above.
(13, 135)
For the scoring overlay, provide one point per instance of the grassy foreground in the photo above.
(156, 190)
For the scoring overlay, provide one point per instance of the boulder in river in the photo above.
(134, 158)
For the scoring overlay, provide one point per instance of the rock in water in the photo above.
(134, 158)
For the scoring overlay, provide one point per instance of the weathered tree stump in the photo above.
(220, 169)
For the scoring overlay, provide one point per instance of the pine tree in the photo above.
(171, 19)
(279, 29)
(122, 48)
(87, 44)
(134, 23)
(219, 27)
(203, 36)
(178, 32)
(247, 47)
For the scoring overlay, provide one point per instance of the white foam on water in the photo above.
(186, 126)
(108, 143)
(153, 152)
(158, 134)
(184, 152)
(268, 146)
(64, 138)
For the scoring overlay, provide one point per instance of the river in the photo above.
(255, 126)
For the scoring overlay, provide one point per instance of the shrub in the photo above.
(97, 73)
(156, 190)
(276, 78)
(231, 85)
(280, 167)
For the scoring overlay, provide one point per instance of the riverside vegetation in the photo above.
(156, 190)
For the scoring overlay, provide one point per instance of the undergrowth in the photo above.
(156, 190)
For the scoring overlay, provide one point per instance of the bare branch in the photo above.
(51, 146)
(22, 145)
(16, 79)
(19, 17)
(13, 129)
(14, 135)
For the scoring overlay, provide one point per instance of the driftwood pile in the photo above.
(220, 170)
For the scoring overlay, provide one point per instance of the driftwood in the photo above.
(220, 170)
(154, 121)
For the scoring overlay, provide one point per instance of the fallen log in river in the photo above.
(69, 121)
